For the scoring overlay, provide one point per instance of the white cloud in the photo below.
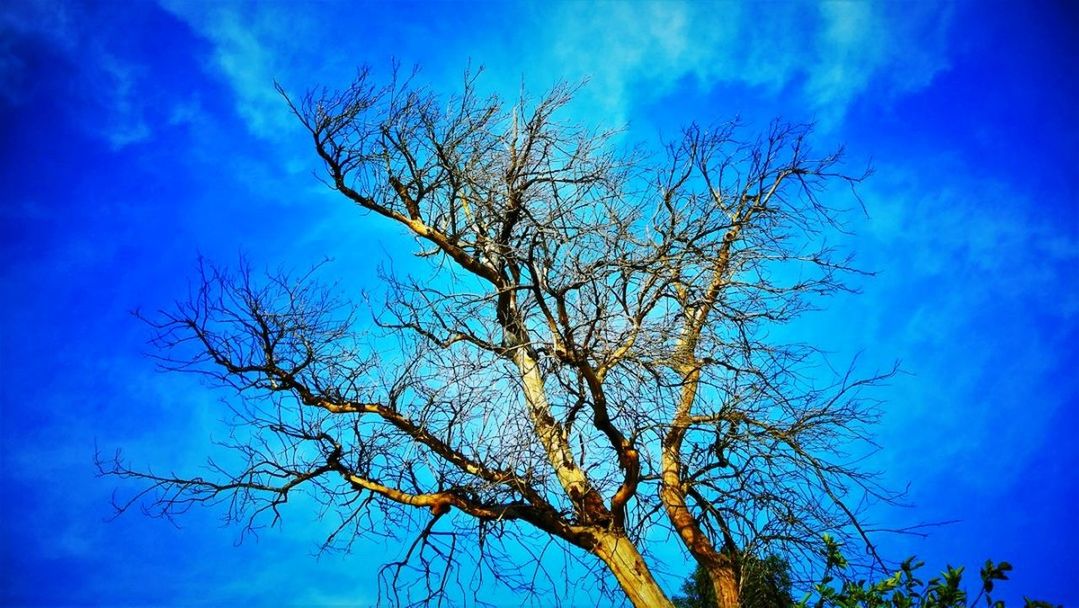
(95, 83)
(625, 46)
(831, 53)
(126, 122)
(252, 45)
(900, 46)
(22, 26)
(975, 294)
(828, 55)
(976, 227)
(848, 48)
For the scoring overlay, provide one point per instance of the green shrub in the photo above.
(903, 589)
(766, 583)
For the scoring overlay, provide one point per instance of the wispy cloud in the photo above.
(67, 51)
(829, 53)
(977, 229)
(623, 46)
(976, 297)
(901, 47)
(252, 45)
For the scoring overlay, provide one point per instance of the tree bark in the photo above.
(630, 571)
(726, 587)
(552, 436)
(719, 567)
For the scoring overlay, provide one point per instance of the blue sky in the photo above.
(136, 136)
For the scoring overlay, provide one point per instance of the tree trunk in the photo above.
(671, 492)
(630, 571)
(726, 587)
(552, 436)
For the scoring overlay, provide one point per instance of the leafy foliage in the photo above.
(697, 591)
(766, 583)
(903, 589)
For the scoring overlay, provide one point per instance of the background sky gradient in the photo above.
(138, 135)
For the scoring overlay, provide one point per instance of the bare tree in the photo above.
(589, 362)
